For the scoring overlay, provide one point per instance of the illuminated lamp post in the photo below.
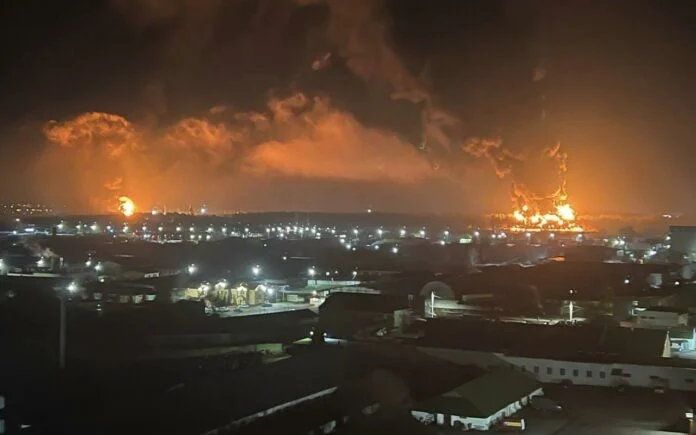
(312, 272)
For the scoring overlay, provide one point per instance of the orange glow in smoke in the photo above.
(126, 206)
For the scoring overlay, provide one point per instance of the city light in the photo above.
(402, 232)
(72, 287)
(256, 270)
(192, 269)
(311, 271)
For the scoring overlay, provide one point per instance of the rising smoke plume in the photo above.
(298, 136)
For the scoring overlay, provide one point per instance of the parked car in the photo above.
(541, 403)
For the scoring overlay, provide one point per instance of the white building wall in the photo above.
(581, 373)
(661, 319)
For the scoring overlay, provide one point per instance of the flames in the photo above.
(560, 218)
(126, 206)
(532, 212)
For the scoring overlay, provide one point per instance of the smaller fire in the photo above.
(126, 206)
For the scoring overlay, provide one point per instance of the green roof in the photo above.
(484, 395)
(684, 332)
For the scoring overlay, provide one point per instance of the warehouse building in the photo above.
(343, 315)
(481, 403)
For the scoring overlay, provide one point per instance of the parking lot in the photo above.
(608, 411)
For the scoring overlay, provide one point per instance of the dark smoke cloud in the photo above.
(297, 136)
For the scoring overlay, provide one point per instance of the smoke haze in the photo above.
(300, 136)
(295, 137)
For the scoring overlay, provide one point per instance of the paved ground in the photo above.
(690, 354)
(598, 411)
(276, 307)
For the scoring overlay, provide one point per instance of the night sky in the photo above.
(280, 104)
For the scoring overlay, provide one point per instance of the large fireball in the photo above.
(126, 206)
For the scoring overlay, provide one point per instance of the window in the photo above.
(589, 373)
(576, 372)
(536, 369)
(689, 381)
(549, 370)
(523, 369)
(602, 375)
(616, 372)
(562, 372)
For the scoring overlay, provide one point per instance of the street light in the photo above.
(192, 269)
(311, 271)
(256, 270)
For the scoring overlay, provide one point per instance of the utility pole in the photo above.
(61, 332)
